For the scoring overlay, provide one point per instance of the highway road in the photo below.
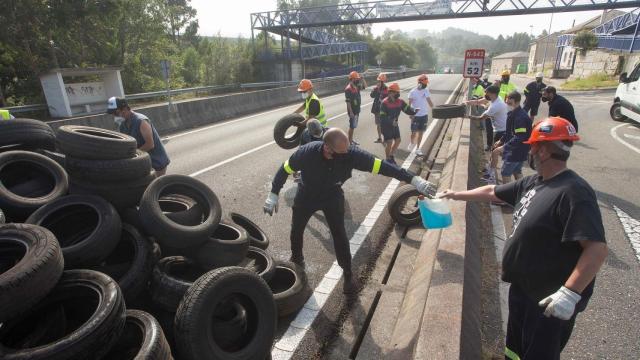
(238, 160)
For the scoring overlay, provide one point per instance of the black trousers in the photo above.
(488, 127)
(530, 334)
(333, 209)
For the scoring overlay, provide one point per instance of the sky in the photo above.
(214, 17)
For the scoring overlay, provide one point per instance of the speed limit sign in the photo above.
(473, 63)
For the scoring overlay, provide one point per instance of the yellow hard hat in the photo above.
(505, 72)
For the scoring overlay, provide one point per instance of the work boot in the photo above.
(298, 260)
(351, 285)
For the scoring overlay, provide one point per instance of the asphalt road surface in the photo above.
(238, 160)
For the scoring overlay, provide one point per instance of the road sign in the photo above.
(165, 64)
(473, 63)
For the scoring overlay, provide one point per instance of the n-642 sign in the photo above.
(473, 63)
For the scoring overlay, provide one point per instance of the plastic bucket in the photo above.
(435, 213)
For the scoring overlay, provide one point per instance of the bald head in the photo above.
(337, 139)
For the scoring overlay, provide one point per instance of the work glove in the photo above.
(560, 304)
(424, 187)
(271, 204)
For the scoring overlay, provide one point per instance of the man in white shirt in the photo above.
(418, 99)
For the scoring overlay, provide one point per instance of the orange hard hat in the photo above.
(305, 85)
(423, 79)
(354, 75)
(382, 77)
(394, 87)
(553, 129)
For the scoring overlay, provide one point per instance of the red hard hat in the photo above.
(394, 87)
(382, 77)
(354, 75)
(553, 129)
(423, 79)
(305, 85)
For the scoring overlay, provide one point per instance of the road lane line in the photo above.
(618, 139)
(631, 228)
(636, 137)
(289, 342)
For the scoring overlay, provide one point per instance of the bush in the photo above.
(585, 40)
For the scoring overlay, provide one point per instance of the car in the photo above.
(626, 103)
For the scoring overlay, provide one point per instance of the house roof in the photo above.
(515, 54)
(543, 38)
(593, 22)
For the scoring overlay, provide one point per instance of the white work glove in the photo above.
(560, 304)
(271, 204)
(424, 187)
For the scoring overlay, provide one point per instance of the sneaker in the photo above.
(419, 152)
(378, 141)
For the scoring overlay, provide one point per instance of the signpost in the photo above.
(473, 63)
(165, 65)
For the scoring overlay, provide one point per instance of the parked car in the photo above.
(626, 104)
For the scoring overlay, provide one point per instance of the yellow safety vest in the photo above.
(321, 117)
(4, 114)
(478, 91)
(506, 89)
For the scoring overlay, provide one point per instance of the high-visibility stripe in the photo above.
(4, 114)
(510, 354)
(376, 166)
(382, 112)
(520, 130)
(287, 168)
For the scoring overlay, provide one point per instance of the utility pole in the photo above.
(546, 41)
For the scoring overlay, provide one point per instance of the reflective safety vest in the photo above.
(321, 117)
(506, 89)
(4, 114)
(478, 92)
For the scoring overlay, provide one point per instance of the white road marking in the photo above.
(636, 137)
(499, 238)
(288, 343)
(618, 139)
(631, 228)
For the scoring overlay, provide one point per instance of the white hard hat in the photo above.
(539, 75)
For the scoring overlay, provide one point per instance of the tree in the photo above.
(191, 67)
(585, 41)
(426, 55)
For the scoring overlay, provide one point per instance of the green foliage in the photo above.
(191, 67)
(585, 40)
(595, 81)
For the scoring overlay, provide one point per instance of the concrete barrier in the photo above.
(199, 112)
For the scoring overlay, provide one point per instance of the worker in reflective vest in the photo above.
(312, 106)
(506, 86)
(5, 115)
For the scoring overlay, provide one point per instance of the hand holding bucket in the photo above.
(435, 213)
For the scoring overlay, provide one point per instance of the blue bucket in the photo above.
(435, 213)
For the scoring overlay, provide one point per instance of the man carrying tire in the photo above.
(139, 126)
(325, 167)
(378, 94)
(555, 249)
(419, 98)
(353, 99)
(389, 114)
(312, 107)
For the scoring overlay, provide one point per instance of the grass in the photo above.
(595, 81)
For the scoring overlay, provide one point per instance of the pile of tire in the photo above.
(71, 265)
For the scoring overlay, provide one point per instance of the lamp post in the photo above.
(546, 41)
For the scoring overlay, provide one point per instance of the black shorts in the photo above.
(389, 132)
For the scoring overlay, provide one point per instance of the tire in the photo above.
(31, 263)
(281, 128)
(227, 246)
(94, 309)
(2, 218)
(29, 133)
(260, 262)
(202, 300)
(230, 323)
(142, 338)
(135, 252)
(402, 206)
(179, 208)
(169, 232)
(257, 237)
(290, 288)
(448, 111)
(59, 158)
(110, 170)
(171, 278)
(85, 142)
(87, 227)
(121, 194)
(615, 113)
(20, 167)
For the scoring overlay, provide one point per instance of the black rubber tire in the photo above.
(168, 232)
(171, 278)
(121, 194)
(290, 288)
(142, 338)
(195, 316)
(110, 170)
(401, 213)
(87, 227)
(260, 262)
(21, 167)
(86, 142)
(615, 113)
(59, 158)
(448, 111)
(227, 246)
(179, 208)
(281, 128)
(135, 252)
(95, 312)
(230, 323)
(31, 263)
(257, 237)
(29, 133)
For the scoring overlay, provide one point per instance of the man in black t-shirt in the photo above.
(555, 249)
(559, 105)
(354, 101)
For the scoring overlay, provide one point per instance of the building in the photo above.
(508, 61)
(543, 51)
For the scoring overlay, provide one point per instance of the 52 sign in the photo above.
(473, 63)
